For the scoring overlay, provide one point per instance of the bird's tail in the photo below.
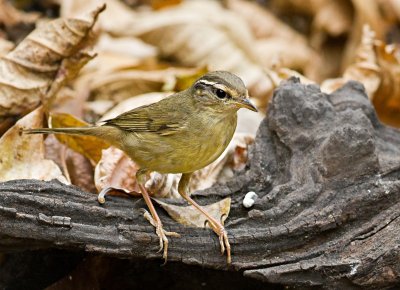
(93, 131)
(110, 134)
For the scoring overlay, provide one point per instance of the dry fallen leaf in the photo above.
(275, 39)
(203, 34)
(22, 155)
(163, 185)
(117, 15)
(88, 146)
(41, 64)
(189, 216)
(263, 22)
(134, 102)
(120, 85)
(116, 170)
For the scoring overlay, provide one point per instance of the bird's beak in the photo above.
(246, 103)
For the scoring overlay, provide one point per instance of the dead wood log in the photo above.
(327, 175)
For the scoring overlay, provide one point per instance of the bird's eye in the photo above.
(221, 94)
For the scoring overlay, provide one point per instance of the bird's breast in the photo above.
(197, 145)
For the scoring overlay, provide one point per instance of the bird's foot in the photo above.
(161, 233)
(219, 229)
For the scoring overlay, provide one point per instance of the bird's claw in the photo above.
(224, 242)
(161, 233)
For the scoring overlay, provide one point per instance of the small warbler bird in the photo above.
(179, 134)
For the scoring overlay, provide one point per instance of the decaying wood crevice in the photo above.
(328, 213)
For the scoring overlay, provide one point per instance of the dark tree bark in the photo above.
(326, 172)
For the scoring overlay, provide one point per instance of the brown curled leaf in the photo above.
(22, 155)
(115, 169)
(29, 71)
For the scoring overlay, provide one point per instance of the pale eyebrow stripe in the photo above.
(214, 84)
(218, 86)
(206, 82)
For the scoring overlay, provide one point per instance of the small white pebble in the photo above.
(249, 199)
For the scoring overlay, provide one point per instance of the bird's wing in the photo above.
(156, 118)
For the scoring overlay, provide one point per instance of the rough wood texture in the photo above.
(327, 175)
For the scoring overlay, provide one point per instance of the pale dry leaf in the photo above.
(22, 155)
(118, 15)
(275, 38)
(93, 110)
(134, 102)
(263, 23)
(117, 54)
(340, 11)
(279, 49)
(128, 46)
(120, 85)
(29, 71)
(190, 216)
(115, 169)
(163, 185)
(203, 33)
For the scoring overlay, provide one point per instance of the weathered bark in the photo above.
(326, 172)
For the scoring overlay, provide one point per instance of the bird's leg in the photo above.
(154, 218)
(218, 228)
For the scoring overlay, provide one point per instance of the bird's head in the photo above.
(222, 91)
